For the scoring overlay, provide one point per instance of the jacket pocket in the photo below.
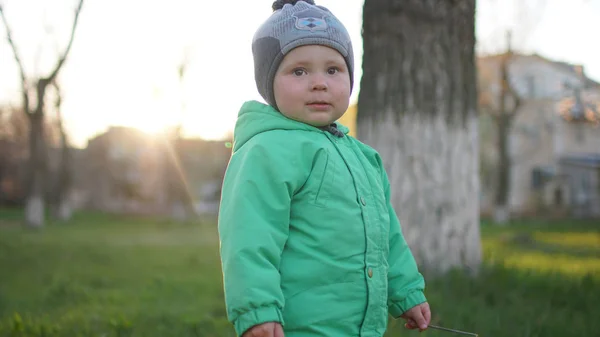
(327, 183)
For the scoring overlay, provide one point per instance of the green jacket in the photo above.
(308, 236)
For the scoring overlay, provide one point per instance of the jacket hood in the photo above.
(255, 117)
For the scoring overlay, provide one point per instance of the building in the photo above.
(131, 171)
(554, 143)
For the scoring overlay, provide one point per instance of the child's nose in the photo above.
(319, 82)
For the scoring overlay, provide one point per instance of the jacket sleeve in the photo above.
(253, 229)
(406, 285)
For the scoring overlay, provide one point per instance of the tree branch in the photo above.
(508, 89)
(58, 102)
(517, 103)
(18, 60)
(516, 98)
(62, 59)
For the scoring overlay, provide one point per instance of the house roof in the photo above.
(575, 69)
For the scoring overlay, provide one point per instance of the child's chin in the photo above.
(320, 121)
(319, 124)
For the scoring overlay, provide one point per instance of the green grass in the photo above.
(103, 275)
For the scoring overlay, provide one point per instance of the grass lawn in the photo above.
(103, 275)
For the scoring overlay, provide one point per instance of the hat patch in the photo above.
(311, 20)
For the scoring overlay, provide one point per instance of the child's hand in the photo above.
(265, 330)
(418, 316)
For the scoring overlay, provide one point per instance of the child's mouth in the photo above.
(319, 105)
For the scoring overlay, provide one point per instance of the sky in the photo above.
(123, 66)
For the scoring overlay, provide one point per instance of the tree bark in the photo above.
(502, 210)
(62, 207)
(34, 203)
(509, 106)
(418, 107)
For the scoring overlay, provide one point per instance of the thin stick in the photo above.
(452, 330)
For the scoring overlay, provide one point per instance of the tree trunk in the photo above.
(502, 209)
(509, 105)
(63, 209)
(417, 107)
(34, 204)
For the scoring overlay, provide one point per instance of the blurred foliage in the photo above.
(104, 275)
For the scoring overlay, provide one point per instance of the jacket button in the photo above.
(370, 272)
(363, 201)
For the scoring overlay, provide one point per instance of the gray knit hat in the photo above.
(293, 24)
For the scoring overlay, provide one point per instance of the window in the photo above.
(537, 179)
(540, 176)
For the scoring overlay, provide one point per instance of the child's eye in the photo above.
(332, 70)
(299, 72)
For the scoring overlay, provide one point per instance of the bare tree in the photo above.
(503, 116)
(418, 108)
(61, 207)
(508, 104)
(36, 87)
(179, 198)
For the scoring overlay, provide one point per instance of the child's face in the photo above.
(312, 85)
